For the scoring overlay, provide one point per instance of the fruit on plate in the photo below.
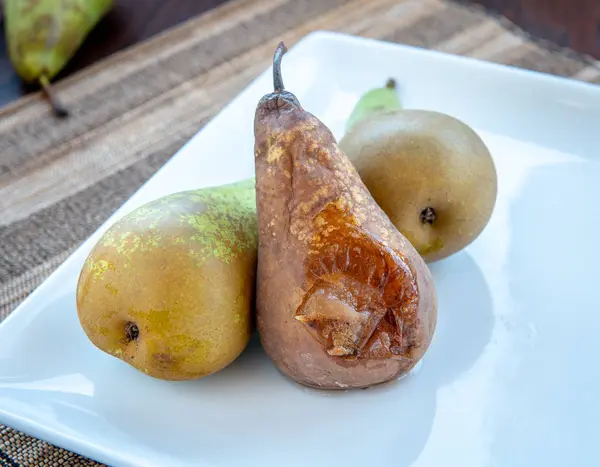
(430, 172)
(43, 35)
(169, 288)
(343, 299)
(376, 100)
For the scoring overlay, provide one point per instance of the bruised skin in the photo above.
(343, 299)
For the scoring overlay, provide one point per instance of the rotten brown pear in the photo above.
(343, 298)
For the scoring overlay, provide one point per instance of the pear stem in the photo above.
(390, 83)
(59, 109)
(277, 79)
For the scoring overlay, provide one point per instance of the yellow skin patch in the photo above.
(99, 267)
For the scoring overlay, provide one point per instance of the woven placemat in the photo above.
(59, 180)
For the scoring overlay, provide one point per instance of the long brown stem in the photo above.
(59, 109)
(277, 79)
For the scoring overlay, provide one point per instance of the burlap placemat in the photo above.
(59, 180)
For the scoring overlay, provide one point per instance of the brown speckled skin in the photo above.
(322, 235)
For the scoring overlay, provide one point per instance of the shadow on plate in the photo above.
(250, 402)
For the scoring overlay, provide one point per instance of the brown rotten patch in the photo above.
(363, 299)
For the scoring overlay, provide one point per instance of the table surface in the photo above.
(575, 24)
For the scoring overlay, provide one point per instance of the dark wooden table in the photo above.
(129, 22)
(572, 23)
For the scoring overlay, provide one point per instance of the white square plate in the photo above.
(511, 378)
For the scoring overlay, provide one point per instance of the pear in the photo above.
(376, 100)
(169, 288)
(43, 35)
(430, 172)
(343, 298)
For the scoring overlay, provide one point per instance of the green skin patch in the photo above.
(217, 222)
(374, 101)
(228, 225)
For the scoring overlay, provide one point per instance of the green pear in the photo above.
(43, 35)
(374, 101)
(430, 172)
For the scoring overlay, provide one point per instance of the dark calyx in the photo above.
(132, 332)
(427, 216)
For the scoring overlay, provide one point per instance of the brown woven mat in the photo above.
(59, 180)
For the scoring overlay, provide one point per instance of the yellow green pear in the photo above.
(430, 172)
(169, 288)
(43, 35)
